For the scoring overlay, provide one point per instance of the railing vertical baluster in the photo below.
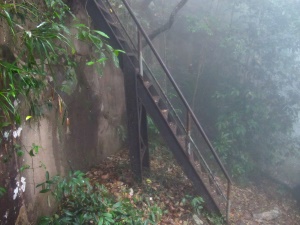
(140, 48)
(188, 135)
(228, 201)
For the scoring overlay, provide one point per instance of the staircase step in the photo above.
(115, 27)
(101, 6)
(131, 54)
(182, 141)
(202, 169)
(147, 84)
(120, 38)
(197, 165)
(106, 11)
(173, 127)
(156, 99)
(165, 113)
(108, 17)
(113, 24)
(218, 192)
(134, 60)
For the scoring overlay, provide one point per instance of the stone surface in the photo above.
(247, 222)
(197, 220)
(267, 216)
(22, 217)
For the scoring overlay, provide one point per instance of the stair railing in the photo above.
(191, 127)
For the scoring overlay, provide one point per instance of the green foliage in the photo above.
(215, 220)
(21, 151)
(44, 44)
(2, 191)
(122, 133)
(154, 139)
(42, 62)
(81, 203)
(34, 150)
(197, 204)
(152, 127)
(101, 49)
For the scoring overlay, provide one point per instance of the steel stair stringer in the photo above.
(174, 145)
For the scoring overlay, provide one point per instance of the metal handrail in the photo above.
(164, 67)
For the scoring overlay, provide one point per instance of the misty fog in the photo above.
(237, 62)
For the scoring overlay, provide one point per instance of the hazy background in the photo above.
(237, 62)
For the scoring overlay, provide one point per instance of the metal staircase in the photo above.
(151, 89)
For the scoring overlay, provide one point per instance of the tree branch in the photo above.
(170, 22)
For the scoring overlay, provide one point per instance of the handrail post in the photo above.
(187, 140)
(228, 202)
(140, 53)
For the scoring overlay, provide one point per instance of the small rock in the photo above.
(267, 216)
(197, 220)
(105, 176)
(246, 222)
(247, 216)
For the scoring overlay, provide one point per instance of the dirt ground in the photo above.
(167, 186)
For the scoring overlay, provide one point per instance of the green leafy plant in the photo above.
(153, 132)
(2, 191)
(155, 214)
(46, 43)
(152, 127)
(215, 220)
(197, 204)
(121, 131)
(82, 203)
(102, 49)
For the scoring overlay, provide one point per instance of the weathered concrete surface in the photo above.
(95, 111)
